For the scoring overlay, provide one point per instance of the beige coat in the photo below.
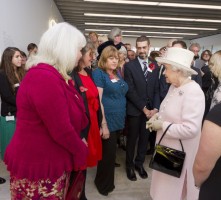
(184, 107)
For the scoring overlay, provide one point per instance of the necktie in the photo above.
(145, 70)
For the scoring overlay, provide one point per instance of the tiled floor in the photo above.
(124, 189)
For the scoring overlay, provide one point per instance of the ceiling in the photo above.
(73, 12)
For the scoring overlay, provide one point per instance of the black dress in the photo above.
(210, 189)
(8, 97)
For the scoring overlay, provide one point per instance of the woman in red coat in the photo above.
(46, 145)
(86, 87)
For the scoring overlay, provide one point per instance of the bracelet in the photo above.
(103, 124)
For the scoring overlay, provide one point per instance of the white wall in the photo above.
(154, 42)
(213, 43)
(24, 21)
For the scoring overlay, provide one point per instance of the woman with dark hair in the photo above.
(32, 49)
(86, 87)
(112, 90)
(11, 74)
(23, 58)
(205, 71)
(205, 56)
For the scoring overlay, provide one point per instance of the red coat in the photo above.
(50, 117)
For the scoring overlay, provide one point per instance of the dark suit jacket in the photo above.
(8, 96)
(198, 77)
(141, 93)
(164, 86)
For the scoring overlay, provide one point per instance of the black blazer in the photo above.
(198, 77)
(141, 93)
(164, 86)
(75, 76)
(8, 96)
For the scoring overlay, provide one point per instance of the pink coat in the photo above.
(50, 117)
(184, 107)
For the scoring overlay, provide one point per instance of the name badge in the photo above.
(114, 80)
(9, 118)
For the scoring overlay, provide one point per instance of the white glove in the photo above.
(154, 125)
(154, 117)
(149, 122)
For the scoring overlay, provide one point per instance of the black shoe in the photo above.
(83, 198)
(106, 193)
(2, 180)
(131, 174)
(116, 164)
(141, 171)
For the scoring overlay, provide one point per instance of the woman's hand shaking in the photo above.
(154, 123)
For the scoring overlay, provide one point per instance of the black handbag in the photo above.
(168, 160)
(76, 186)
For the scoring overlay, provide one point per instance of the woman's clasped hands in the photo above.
(154, 123)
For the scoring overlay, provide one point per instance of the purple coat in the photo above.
(50, 117)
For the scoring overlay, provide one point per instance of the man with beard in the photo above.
(142, 103)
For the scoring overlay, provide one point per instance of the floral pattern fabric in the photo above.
(25, 189)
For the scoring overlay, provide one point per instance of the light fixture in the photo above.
(125, 35)
(148, 32)
(51, 23)
(186, 5)
(150, 17)
(126, 2)
(153, 36)
(155, 3)
(150, 26)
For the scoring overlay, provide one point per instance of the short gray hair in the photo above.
(194, 45)
(59, 46)
(185, 73)
(114, 32)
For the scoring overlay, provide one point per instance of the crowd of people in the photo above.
(65, 106)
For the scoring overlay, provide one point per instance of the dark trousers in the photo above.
(104, 179)
(136, 130)
(152, 141)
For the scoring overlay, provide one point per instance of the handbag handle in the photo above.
(165, 133)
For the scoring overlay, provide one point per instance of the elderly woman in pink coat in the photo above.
(183, 106)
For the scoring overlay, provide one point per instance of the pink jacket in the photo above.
(184, 107)
(50, 117)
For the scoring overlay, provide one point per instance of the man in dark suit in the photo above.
(142, 103)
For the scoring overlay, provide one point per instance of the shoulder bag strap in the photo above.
(181, 145)
(164, 135)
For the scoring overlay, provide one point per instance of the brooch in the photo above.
(181, 93)
(83, 89)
